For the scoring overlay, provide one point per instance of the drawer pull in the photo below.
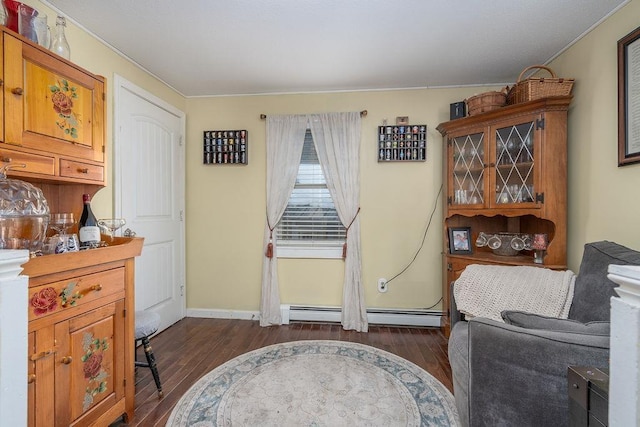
(41, 355)
(17, 91)
(67, 360)
(6, 159)
(31, 378)
(71, 300)
(83, 170)
(92, 288)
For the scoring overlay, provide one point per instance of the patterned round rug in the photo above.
(316, 383)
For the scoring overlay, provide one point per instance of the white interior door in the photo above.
(149, 194)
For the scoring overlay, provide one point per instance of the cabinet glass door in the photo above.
(467, 153)
(514, 170)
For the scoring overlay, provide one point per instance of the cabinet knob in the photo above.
(31, 378)
(83, 170)
(96, 288)
(5, 159)
(67, 359)
(17, 91)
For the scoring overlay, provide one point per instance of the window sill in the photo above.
(332, 252)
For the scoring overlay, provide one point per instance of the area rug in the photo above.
(316, 383)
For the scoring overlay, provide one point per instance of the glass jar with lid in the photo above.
(24, 213)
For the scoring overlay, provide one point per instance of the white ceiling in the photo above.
(231, 47)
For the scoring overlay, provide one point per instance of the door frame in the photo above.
(121, 84)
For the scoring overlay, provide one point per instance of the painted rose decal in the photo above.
(44, 301)
(62, 96)
(92, 366)
(62, 103)
(94, 373)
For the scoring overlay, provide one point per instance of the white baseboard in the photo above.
(223, 314)
(379, 316)
(375, 316)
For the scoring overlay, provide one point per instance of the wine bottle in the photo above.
(88, 230)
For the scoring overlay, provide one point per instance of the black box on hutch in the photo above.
(457, 110)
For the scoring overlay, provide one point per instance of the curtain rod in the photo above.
(363, 113)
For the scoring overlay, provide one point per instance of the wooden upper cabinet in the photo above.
(52, 106)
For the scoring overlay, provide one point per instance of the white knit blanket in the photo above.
(487, 290)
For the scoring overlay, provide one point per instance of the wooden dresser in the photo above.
(81, 335)
(81, 305)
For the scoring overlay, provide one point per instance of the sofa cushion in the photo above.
(593, 291)
(533, 321)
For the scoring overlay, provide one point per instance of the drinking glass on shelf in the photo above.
(63, 242)
(111, 224)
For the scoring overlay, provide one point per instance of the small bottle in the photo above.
(88, 230)
(59, 42)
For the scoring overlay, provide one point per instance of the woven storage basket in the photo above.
(538, 87)
(486, 102)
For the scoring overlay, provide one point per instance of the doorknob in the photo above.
(129, 233)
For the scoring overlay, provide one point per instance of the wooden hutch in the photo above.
(81, 304)
(506, 171)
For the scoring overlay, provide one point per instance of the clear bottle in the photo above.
(59, 42)
(88, 229)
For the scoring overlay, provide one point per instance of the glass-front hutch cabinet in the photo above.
(505, 174)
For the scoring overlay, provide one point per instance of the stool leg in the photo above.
(151, 359)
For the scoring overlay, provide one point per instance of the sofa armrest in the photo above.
(519, 376)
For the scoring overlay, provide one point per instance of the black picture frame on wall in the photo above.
(459, 240)
(628, 94)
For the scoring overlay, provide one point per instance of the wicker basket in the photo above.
(486, 102)
(539, 87)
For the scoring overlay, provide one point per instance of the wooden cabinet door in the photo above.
(41, 369)
(50, 104)
(89, 374)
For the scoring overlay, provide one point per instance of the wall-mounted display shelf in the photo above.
(225, 147)
(402, 143)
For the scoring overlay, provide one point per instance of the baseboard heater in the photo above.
(380, 316)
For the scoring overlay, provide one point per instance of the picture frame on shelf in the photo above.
(628, 90)
(459, 240)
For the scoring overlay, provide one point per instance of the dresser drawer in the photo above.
(58, 296)
(34, 163)
(72, 169)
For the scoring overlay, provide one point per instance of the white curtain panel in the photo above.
(285, 138)
(337, 141)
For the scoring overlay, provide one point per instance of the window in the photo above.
(310, 227)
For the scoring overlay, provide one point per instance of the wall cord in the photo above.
(424, 237)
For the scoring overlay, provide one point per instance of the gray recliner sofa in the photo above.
(515, 373)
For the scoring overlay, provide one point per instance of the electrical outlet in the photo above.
(382, 285)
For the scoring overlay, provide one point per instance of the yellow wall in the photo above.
(226, 204)
(604, 199)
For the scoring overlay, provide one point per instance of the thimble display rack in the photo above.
(406, 143)
(225, 147)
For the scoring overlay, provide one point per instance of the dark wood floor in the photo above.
(192, 347)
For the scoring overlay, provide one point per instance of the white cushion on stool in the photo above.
(147, 322)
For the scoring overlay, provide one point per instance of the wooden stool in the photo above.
(147, 323)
